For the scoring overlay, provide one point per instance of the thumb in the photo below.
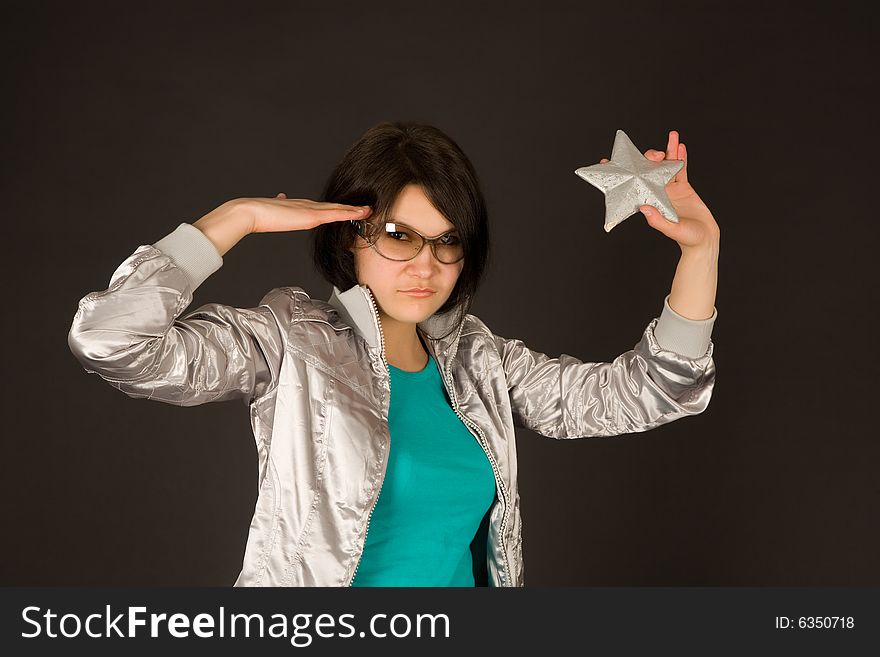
(657, 220)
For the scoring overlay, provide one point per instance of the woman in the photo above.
(340, 501)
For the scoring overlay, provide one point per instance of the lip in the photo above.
(416, 292)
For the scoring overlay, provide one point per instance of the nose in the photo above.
(425, 261)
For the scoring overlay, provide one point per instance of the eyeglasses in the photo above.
(396, 241)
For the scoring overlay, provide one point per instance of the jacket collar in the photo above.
(355, 308)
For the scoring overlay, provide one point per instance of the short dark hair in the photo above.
(385, 159)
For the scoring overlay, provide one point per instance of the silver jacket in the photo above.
(314, 377)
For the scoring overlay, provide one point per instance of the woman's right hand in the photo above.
(272, 215)
(226, 225)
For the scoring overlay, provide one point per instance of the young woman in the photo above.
(384, 417)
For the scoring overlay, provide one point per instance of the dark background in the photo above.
(123, 120)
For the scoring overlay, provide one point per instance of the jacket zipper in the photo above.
(485, 447)
(388, 372)
(467, 422)
(447, 378)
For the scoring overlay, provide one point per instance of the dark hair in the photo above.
(386, 158)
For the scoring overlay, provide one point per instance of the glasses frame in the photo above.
(370, 236)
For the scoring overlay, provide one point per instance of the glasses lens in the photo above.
(449, 249)
(399, 242)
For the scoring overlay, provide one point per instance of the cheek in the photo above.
(457, 274)
(451, 279)
(375, 270)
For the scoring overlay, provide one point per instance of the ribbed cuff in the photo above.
(689, 337)
(192, 251)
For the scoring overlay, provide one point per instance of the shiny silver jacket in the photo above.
(314, 377)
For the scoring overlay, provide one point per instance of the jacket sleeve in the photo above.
(132, 334)
(667, 375)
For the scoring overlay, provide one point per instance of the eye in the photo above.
(397, 232)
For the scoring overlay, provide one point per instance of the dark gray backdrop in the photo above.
(123, 121)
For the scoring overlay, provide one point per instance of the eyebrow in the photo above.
(403, 223)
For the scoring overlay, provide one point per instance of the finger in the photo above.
(352, 212)
(603, 160)
(326, 206)
(332, 214)
(672, 146)
(281, 195)
(338, 211)
(682, 175)
(654, 155)
(659, 222)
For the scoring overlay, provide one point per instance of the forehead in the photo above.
(414, 209)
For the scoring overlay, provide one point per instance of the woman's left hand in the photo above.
(696, 228)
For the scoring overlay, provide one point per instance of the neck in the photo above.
(403, 348)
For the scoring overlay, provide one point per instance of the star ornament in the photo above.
(630, 180)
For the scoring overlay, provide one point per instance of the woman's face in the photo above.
(386, 278)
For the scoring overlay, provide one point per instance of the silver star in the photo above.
(630, 180)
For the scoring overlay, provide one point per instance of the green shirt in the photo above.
(429, 525)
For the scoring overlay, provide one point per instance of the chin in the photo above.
(413, 317)
(414, 312)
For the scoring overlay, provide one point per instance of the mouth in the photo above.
(418, 292)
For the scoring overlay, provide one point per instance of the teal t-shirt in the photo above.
(436, 495)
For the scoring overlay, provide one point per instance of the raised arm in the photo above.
(133, 335)
(650, 385)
